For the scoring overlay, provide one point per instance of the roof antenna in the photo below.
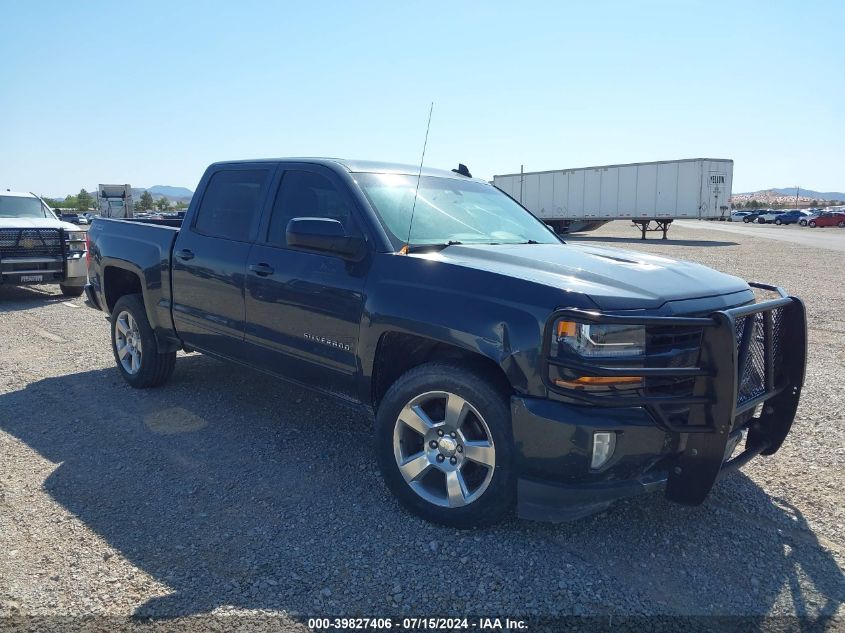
(404, 250)
(462, 170)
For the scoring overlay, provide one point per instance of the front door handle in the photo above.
(185, 254)
(262, 270)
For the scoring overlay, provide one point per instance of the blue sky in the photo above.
(151, 92)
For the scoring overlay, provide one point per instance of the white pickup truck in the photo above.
(38, 248)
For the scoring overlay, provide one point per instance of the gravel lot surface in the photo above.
(830, 238)
(228, 492)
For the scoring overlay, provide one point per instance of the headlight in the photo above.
(590, 339)
(76, 241)
(593, 342)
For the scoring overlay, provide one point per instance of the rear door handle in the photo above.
(185, 254)
(262, 270)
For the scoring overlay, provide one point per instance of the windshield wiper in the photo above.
(416, 248)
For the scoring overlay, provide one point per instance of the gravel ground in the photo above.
(228, 492)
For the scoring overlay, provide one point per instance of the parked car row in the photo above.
(812, 218)
(160, 215)
(74, 218)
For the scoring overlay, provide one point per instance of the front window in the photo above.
(21, 207)
(449, 210)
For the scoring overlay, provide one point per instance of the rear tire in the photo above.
(812, 224)
(135, 346)
(450, 428)
(841, 224)
(778, 222)
(71, 291)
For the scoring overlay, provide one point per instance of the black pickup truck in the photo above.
(502, 365)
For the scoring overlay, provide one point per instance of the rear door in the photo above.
(209, 258)
(303, 309)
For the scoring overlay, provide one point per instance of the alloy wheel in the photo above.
(127, 341)
(444, 449)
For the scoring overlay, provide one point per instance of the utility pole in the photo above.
(521, 180)
(797, 189)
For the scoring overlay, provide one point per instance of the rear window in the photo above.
(231, 203)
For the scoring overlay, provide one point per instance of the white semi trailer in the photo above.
(651, 195)
(115, 201)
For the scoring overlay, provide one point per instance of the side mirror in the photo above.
(324, 236)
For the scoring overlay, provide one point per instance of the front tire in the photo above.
(71, 291)
(778, 222)
(812, 224)
(135, 347)
(445, 447)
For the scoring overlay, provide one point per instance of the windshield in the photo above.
(21, 207)
(450, 210)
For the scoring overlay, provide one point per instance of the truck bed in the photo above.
(177, 222)
(142, 247)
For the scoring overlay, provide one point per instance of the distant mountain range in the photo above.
(174, 194)
(167, 190)
(786, 195)
(803, 193)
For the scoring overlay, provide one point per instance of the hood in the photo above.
(613, 278)
(36, 223)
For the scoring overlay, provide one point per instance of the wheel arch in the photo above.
(398, 352)
(121, 278)
(119, 281)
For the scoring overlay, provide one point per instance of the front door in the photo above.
(303, 309)
(209, 259)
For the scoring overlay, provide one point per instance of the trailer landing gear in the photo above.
(659, 225)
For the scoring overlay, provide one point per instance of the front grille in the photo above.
(701, 373)
(672, 346)
(30, 243)
(680, 347)
(757, 372)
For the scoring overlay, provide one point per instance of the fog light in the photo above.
(604, 443)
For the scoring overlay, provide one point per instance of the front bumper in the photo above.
(91, 299)
(21, 271)
(747, 380)
(553, 442)
(41, 256)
